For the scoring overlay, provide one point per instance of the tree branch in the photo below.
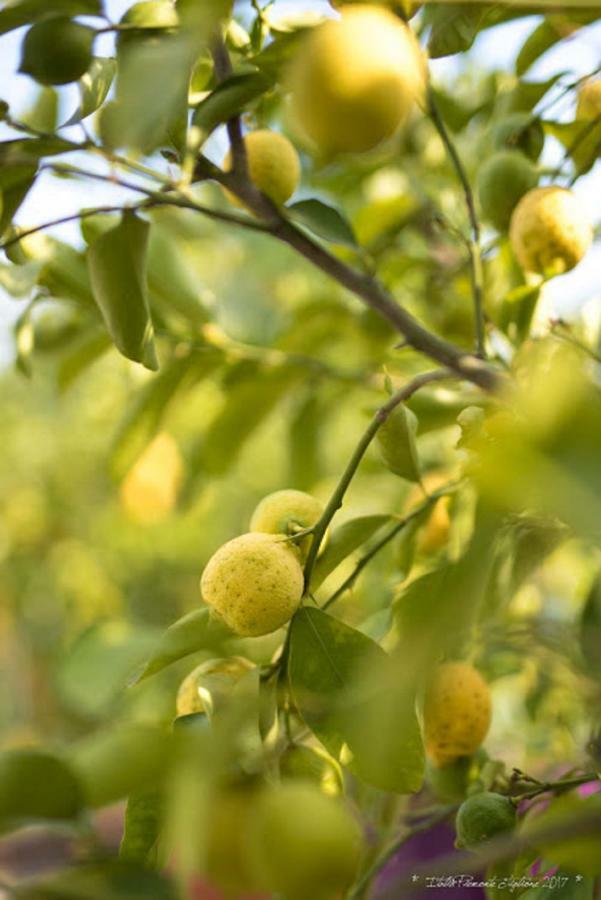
(474, 241)
(335, 501)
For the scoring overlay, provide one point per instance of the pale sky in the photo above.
(52, 198)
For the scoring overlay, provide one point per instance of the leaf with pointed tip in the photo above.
(93, 88)
(324, 221)
(117, 265)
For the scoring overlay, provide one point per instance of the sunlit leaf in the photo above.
(341, 682)
(227, 100)
(324, 221)
(196, 631)
(24, 12)
(94, 87)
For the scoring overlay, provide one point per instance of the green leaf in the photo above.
(35, 786)
(152, 92)
(517, 310)
(581, 140)
(341, 683)
(19, 280)
(114, 879)
(278, 53)
(94, 672)
(344, 540)
(94, 87)
(536, 45)
(65, 274)
(27, 151)
(228, 99)
(43, 115)
(79, 358)
(454, 27)
(147, 413)
(24, 342)
(590, 629)
(27, 11)
(196, 631)
(117, 264)
(324, 221)
(143, 816)
(15, 182)
(396, 442)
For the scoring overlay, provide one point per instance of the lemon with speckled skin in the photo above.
(254, 582)
(355, 80)
(457, 712)
(206, 686)
(549, 231)
(273, 165)
(589, 100)
(287, 512)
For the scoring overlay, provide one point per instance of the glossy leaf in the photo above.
(341, 683)
(227, 100)
(196, 631)
(324, 221)
(117, 264)
(94, 87)
(344, 540)
(141, 827)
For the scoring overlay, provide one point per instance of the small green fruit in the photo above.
(57, 51)
(519, 131)
(502, 182)
(483, 817)
(303, 843)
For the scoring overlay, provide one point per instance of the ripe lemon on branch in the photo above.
(457, 712)
(355, 80)
(273, 165)
(549, 231)
(287, 512)
(254, 582)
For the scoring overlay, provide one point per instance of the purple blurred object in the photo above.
(430, 845)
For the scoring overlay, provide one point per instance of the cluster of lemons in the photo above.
(255, 581)
(548, 228)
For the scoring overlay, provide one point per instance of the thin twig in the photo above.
(475, 256)
(389, 536)
(336, 500)
(358, 890)
(223, 69)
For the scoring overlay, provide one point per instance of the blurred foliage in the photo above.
(118, 482)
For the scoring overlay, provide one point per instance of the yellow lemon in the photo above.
(549, 231)
(434, 534)
(254, 582)
(457, 712)
(208, 685)
(149, 490)
(273, 165)
(355, 80)
(287, 512)
(589, 100)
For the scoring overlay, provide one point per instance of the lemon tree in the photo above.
(299, 470)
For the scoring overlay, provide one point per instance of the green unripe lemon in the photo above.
(254, 582)
(519, 131)
(482, 817)
(313, 765)
(273, 165)
(57, 51)
(287, 512)
(303, 843)
(207, 686)
(502, 182)
(457, 712)
(549, 231)
(355, 80)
